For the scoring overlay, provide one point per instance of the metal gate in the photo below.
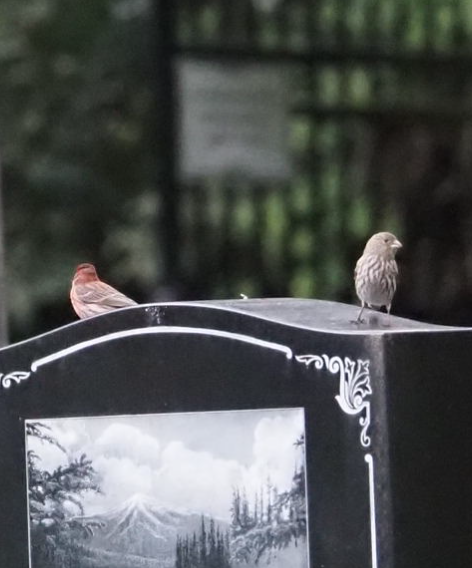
(380, 138)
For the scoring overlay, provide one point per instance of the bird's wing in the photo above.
(101, 293)
(356, 269)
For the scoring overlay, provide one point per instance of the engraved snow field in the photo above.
(186, 490)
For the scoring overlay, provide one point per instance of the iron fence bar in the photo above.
(338, 56)
(390, 113)
(3, 284)
(165, 21)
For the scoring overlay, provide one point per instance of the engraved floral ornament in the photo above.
(354, 386)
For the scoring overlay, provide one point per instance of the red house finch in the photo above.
(376, 272)
(90, 296)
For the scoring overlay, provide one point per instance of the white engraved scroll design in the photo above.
(354, 386)
(13, 377)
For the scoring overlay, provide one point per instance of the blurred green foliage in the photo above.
(77, 140)
(79, 145)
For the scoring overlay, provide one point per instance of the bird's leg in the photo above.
(387, 323)
(359, 317)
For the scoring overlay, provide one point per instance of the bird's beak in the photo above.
(396, 244)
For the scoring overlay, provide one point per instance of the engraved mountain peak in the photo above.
(144, 527)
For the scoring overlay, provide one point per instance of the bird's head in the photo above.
(384, 244)
(85, 273)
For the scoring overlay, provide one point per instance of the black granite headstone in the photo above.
(306, 440)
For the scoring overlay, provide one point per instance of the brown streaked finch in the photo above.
(90, 296)
(376, 272)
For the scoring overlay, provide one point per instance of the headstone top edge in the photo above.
(319, 316)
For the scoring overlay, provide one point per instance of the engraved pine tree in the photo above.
(272, 521)
(55, 505)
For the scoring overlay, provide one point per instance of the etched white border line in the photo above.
(373, 527)
(157, 330)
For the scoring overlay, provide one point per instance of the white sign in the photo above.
(234, 120)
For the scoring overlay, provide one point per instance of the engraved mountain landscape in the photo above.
(143, 528)
(163, 491)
